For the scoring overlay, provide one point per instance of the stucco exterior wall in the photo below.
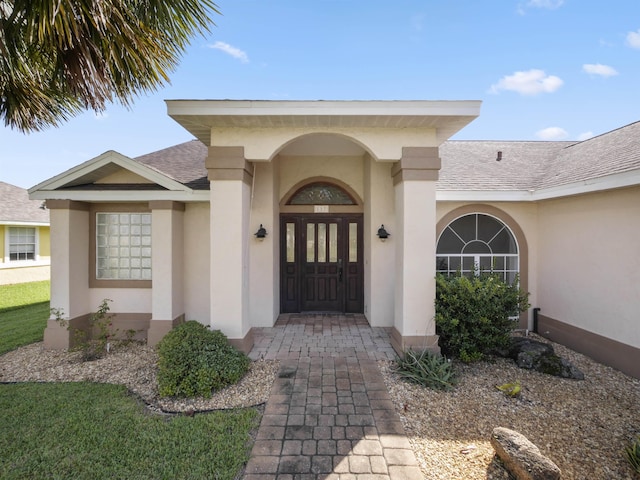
(129, 300)
(379, 257)
(197, 262)
(293, 170)
(264, 254)
(589, 268)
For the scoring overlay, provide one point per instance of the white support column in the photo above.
(69, 269)
(231, 177)
(415, 178)
(167, 296)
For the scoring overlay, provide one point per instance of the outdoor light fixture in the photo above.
(382, 233)
(261, 233)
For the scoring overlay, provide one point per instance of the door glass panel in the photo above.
(322, 242)
(311, 242)
(291, 242)
(333, 242)
(353, 242)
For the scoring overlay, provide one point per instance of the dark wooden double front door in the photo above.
(321, 263)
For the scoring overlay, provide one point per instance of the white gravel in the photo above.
(582, 426)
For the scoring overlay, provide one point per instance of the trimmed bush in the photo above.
(195, 361)
(472, 314)
(426, 369)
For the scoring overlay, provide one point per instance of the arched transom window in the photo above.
(321, 193)
(477, 242)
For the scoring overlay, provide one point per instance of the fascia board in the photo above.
(108, 157)
(122, 196)
(483, 196)
(23, 224)
(609, 182)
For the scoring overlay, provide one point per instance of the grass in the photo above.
(96, 431)
(24, 310)
(22, 294)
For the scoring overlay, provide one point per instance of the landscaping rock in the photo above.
(521, 457)
(533, 355)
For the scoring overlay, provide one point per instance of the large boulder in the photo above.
(521, 457)
(533, 355)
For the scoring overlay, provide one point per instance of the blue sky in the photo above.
(544, 70)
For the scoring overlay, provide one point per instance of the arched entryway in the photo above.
(321, 248)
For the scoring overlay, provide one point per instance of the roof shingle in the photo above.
(15, 206)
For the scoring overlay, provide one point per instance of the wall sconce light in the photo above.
(261, 233)
(382, 233)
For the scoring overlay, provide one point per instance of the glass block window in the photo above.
(123, 243)
(476, 243)
(321, 193)
(22, 243)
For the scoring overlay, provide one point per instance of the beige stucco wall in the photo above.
(525, 214)
(379, 257)
(589, 266)
(196, 262)
(129, 300)
(264, 255)
(293, 170)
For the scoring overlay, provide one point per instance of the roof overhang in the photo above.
(600, 184)
(445, 117)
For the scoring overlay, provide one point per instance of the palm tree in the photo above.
(59, 57)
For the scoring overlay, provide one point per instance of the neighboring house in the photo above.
(24, 237)
(180, 233)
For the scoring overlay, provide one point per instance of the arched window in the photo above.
(478, 242)
(321, 193)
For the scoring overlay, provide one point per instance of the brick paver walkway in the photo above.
(329, 415)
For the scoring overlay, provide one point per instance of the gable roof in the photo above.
(82, 182)
(16, 208)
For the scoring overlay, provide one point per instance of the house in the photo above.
(24, 237)
(350, 207)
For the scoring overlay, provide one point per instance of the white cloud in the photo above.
(585, 136)
(531, 82)
(552, 133)
(100, 115)
(550, 4)
(230, 50)
(633, 39)
(599, 69)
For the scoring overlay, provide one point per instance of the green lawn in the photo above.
(95, 431)
(23, 294)
(24, 310)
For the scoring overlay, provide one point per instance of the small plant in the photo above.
(473, 314)
(95, 342)
(510, 389)
(194, 361)
(426, 369)
(633, 455)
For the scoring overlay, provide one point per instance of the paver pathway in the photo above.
(329, 415)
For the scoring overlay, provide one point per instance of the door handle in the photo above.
(340, 270)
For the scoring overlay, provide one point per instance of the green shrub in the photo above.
(194, 361)
(472, 314)
(633, 455)
(426, 369)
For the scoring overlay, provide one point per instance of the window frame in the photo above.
(508, 274)
(94, 281)
(7, 247)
